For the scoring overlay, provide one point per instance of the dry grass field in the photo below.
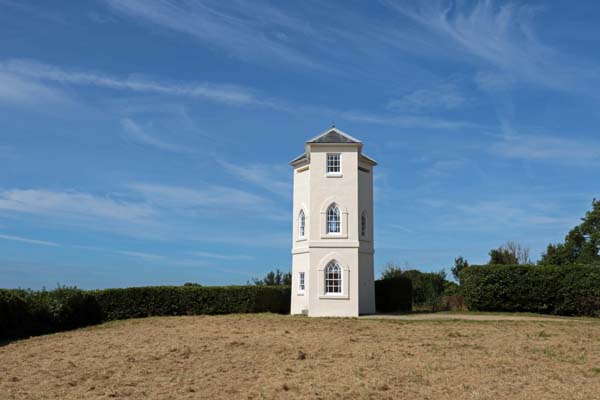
(271, 356)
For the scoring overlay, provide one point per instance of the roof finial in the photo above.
(333, 124)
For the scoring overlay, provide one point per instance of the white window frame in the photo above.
(339, 280)
(339, 220)
(331, 164)
(301, 282)
(301, 225)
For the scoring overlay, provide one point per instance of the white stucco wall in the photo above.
(314, 191)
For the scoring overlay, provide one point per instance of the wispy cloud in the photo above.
(28, 240)
(502, 35)
(256, 239)
(274, 178)
(219, 256)
(443, 167)
(136, 254)
(445, 96)
(252, 31)
(30, 81)
(72, 203)
(212, 199)
(221, 93)
(16, 89)
(34, 10)
(551, 148)
(406, 121)
(100, 18)
(508, 212)
(138, 133)
(398, 227)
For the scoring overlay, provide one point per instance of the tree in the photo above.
(428, 287)
(582, 243)
(275, 278)
(459, 264)
(510, 253)
(391, 271)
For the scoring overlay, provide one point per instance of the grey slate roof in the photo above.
(369, 159)
(300, 157)
(363, 156)
(333, 136)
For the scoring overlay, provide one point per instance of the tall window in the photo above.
(333, 219)
(333, 278)
(333, 163)
(301, 282)
(363, 224)
(301, 224)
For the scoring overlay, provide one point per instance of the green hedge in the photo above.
(393, 294)
(560, 290)
(26, 313)
(191, 300)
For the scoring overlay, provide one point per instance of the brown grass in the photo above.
(270, 356)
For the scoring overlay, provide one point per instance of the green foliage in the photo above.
(582, 243)
(149, 301)
(393, 294)
(25, 312)
(459, 264)
(510, 253)
(561, 290)
(391, 271)
(275, 278)
(428, 287)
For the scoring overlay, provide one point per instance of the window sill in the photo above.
(334, 297)
(334, 236)
(334, 175)
(300, 293)
(302, 239)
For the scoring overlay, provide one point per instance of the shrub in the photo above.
(561, 290)
(428, 287)
(191, 300)
(393, 294)
(14, 313)
(26, 313)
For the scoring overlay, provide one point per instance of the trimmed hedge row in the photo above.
(191, 300)
(560, 290)
(26, 313)
(393, 294)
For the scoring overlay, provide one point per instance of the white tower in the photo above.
(332, 250)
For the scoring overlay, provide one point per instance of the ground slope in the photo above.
(270, 356)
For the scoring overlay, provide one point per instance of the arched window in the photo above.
(363, 224)
(333, 278)
(301, 224)
(333, 219)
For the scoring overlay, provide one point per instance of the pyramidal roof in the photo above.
(334, 135)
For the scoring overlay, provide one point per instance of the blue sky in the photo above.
(148, 142)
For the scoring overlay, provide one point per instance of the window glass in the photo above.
(333, 219)
(333, 279)
(301, 282)
(333, 163)
(301, 224)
